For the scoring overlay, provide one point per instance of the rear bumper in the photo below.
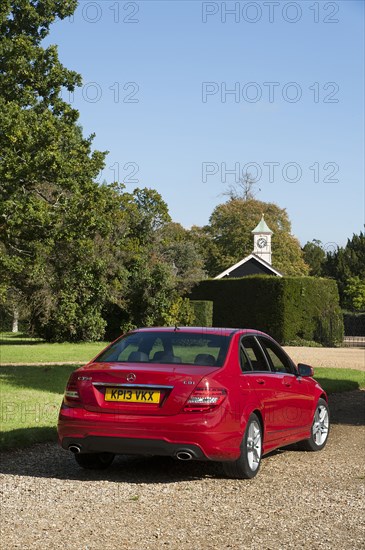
(206, 438)
(131, 446)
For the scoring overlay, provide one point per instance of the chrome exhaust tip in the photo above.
(184, 455)
(75, 449)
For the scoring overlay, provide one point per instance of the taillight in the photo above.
(205, 398)
(71, 396)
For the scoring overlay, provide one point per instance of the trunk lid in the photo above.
(138, 389)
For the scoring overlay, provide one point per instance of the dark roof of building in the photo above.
(251, 257)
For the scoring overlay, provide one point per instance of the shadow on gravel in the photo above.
(49, 461)
(348, 407)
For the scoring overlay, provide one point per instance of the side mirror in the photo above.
(305, 370)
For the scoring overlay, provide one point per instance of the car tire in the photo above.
(248, 464)
(94, 461)
(320, 428)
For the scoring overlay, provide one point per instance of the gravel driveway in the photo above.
(308, 500)
(343, 358)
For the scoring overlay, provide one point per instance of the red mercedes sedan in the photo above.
(228, 395)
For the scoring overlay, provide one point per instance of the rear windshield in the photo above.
(168, 347)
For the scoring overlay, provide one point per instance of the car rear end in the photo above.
(154, 392)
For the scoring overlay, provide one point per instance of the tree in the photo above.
(13, 310)
(230, 236)
(314, 256)
(354, 294)
(287, 255)
(177, 248)
(44, 157)
(244, 189)
(61, 233)
(346, 263)
(30, 75)
(72, 249)
(41, 148)
(150, 214)
(47, 171)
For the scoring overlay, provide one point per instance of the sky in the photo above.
(187, 96)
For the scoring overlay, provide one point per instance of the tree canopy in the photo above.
(347, 266)
(229, 236)
(314, 256)
(70, 248)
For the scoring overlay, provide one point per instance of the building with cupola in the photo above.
(259, 261)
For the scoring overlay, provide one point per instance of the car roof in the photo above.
(222, 331)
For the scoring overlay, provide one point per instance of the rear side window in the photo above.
(278, 360)
(168, 347)
(253, 356)
(245, 362)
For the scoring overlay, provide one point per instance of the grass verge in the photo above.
(335, 380)
(21, 349)
(31, 397)
(30, 400)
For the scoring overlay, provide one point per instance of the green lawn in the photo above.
(30, 400)
(339, 380)
(21, 349)
(31, 396)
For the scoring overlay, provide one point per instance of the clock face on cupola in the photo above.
(262, 241)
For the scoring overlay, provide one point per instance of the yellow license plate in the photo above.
(132, 396)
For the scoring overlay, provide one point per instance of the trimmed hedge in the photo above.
(354, 323)
(203, 312)
(287, 308)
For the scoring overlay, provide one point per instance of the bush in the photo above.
(71, 323)
(354, 323)
(180, 313)
(304, 344)
(287, 308)
(203, 312)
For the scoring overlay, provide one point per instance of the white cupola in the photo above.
(262, 241)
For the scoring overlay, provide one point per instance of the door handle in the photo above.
(260, 381)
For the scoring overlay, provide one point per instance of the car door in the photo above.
(258, 375)
(294, 414)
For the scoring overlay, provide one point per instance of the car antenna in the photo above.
(176, 328)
